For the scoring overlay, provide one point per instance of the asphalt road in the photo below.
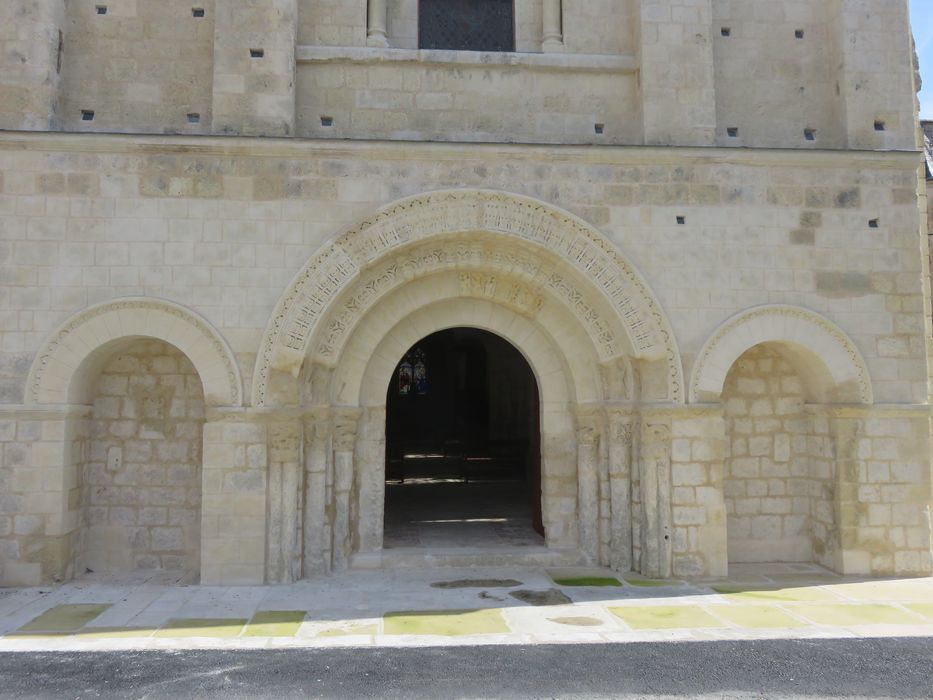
(764, 669)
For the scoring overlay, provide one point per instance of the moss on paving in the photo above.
(650, 582)
(784, 595)
(925, 609)
(65, 618)
(218, 628)
(551, 596)
(845, 615)
(447, 623)
(756, 616)
(349, 630)
(275, 623)
(478, 583)
(114, 633)
(588, 581)
(661, 617)
(577, 621)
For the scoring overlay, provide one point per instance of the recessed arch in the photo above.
(828, 361)
(367, 367)
(561, 240)
(434, 303)
(545, 360)
(63, 370)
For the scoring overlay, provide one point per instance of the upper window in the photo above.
(466, 25)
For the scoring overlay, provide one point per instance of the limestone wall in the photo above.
(775, 69)
(30, 69)
(139, 67)
(40, 493)
(698, 509)
(79, 228)
(830, 74)
(331, 23)
(141, 482)
(362, 97)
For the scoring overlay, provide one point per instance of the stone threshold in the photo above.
(443, 557)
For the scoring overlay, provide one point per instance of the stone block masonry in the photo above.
(223, 223)
(141, 485)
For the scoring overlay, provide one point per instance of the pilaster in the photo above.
(676, 76)
(254, 67)
(234, 495)
(875, 73)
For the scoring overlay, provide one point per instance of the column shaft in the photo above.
(552, 35)
(376, 31)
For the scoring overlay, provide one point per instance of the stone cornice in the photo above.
(263, 147)
(366, 55)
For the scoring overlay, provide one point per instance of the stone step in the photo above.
(427, 557)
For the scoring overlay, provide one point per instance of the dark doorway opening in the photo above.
(463, 465)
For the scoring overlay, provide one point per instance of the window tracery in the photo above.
(466, 25)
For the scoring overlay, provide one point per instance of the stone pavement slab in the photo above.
(450, 606)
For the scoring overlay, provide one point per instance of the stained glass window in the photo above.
(466, 25)
(413, 374)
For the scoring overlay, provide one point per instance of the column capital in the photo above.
(346, 422)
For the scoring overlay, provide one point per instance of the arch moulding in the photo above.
(825, 357)
(308, 305)
(57, 373)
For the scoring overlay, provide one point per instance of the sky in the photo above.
(921, 16)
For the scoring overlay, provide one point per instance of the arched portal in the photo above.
(594, 337)
(462, 445)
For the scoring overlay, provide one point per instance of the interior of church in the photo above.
(462, 445)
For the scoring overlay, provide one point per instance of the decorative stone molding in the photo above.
(61, 362)
(830, 364)
(549, 232)
(494, 270)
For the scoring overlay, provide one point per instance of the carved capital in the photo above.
(346, 423)
(589, 424)
(318, 423)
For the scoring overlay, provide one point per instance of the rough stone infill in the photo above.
(777, 497)
(141, 484)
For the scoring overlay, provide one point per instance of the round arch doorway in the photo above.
(463, 455)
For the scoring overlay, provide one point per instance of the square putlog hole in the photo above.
(87, 115)
(101, 9)
(257, 53)
(197, 12)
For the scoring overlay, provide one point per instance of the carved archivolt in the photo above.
(61, 359)
(827, 359)
(511, 276)
(548, 233)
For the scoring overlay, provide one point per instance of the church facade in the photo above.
(226, 227)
